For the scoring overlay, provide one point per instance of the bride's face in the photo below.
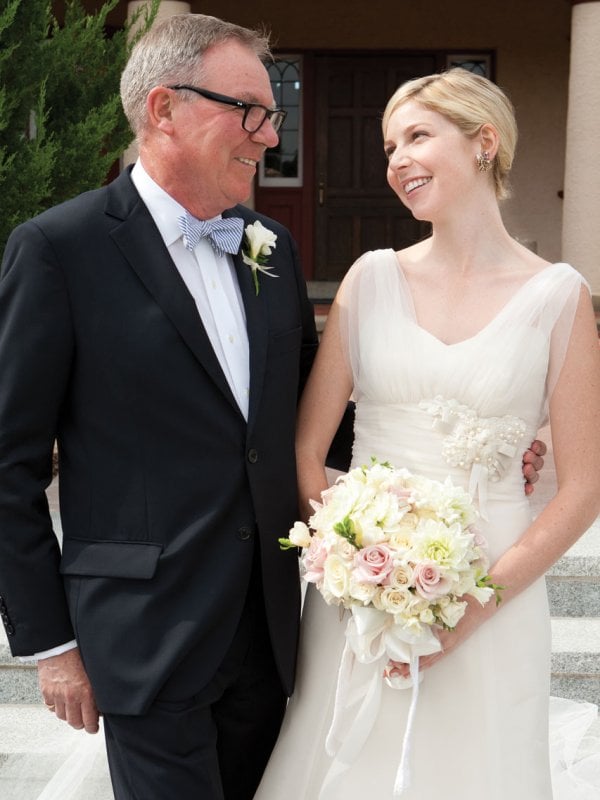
(431, 163)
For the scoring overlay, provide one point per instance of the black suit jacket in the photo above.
(163, 485)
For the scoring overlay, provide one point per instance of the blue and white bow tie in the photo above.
(225, 235)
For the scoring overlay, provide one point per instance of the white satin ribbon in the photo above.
(372, 637)
(478, 485)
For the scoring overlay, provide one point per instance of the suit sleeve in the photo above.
(36, 351)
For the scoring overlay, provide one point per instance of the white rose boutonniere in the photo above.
(258, 245)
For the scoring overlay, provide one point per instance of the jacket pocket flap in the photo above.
(110, 559)
(285, 341)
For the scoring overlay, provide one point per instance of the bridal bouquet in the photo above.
(402, 552)
(397, 542)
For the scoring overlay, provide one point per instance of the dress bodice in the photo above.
(470, 409)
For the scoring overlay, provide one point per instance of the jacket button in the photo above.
(252, 456)
(10, 630)
(244, 534)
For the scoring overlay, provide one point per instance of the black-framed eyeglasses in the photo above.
(254, 113)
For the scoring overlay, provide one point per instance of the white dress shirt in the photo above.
(212, 282)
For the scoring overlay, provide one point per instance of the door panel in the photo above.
(355, 209)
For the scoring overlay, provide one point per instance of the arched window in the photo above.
(282, 165)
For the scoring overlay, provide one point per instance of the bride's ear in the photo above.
(489, 140)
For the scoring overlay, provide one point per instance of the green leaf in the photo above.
(285, 544)
(345, 529)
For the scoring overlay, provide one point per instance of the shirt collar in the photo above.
(163, 208)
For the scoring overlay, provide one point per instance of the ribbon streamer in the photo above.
(372, 637)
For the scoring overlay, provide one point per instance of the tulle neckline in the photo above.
(495, 319)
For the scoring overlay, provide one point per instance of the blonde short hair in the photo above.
(469, 101)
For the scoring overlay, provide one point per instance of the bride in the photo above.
(456, 350)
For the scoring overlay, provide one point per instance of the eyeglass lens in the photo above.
(256, 115)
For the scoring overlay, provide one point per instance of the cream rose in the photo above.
(395, 600)
(336, 576)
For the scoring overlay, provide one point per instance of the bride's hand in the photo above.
(473, 617)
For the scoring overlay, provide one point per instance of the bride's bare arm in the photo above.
(321, 408)
(575, 423)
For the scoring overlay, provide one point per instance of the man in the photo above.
(168, 370)
(175, 429)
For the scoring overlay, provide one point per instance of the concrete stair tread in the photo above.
(35, 745)
(576, 635)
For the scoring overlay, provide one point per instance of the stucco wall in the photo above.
(531, 40)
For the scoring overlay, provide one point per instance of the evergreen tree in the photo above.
(26, 160)
(61, 122)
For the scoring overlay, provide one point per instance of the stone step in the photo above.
(36, 748)
(575, 664)
(18, 680)
(576, 658)
(573, 583)
(574, 592)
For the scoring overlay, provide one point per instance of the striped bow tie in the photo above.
(225, 235)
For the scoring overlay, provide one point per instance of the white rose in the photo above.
(427, 616)
(363, 592)
(261, 240)
(336, 577)
(344, 549)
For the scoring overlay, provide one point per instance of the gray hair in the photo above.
(171, 52)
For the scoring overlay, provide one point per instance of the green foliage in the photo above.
(61, 122)
(345, 529)
(25, 162)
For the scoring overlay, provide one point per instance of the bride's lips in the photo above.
(415, 183)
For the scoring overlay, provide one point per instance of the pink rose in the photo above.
(429, 581)
(373, 564)
(314, 560)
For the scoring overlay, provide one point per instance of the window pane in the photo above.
(479, 63)
(283, 163)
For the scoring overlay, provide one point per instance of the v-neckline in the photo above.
(497, 316)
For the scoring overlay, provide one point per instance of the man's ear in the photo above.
(159, 107)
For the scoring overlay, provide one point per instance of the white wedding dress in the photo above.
(467, 410)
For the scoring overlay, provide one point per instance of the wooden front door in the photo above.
(355, 209)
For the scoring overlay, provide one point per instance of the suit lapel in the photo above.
(257, 327)
(141, 244)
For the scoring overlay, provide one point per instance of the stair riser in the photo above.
(573, 597)
(584, 688)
